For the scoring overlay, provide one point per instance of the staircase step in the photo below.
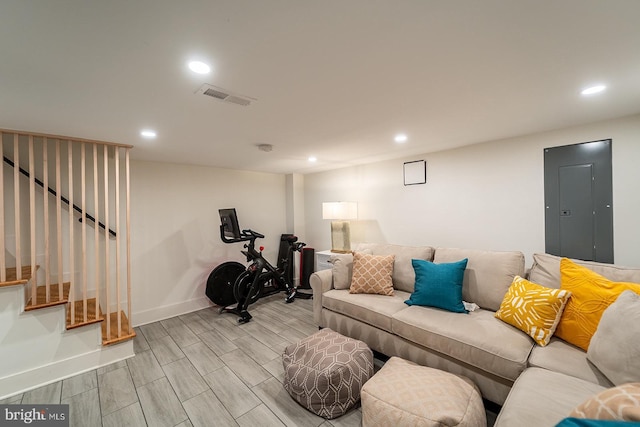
(93, 315)
(12, 276)
(125, 334)
(54, 297)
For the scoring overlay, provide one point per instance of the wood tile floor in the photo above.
(198, 369)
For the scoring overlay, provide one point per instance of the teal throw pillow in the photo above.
(579, 422)
(438, 285)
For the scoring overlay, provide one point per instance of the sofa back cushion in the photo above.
(403, 275)
(615, 348)
(488, 275)
(546, 271)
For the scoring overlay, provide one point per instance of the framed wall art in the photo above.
(415, 172)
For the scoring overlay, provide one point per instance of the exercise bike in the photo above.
(231, 282)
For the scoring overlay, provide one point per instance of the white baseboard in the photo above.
(47, 374)
(167, 311)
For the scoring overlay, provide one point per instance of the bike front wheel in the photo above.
(242, 287)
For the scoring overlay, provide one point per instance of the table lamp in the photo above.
(340, 213)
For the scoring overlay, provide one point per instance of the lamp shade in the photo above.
(339, 210)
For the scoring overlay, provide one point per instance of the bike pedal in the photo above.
(244, 317)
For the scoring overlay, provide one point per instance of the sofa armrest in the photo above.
(321, 282)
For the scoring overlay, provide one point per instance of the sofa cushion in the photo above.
(615, 348)
(560, 356)
(543, 398)
(620, 403)
(372, 274)
(488, 275)
(476, 338)
(403, 274)
(591, 295)
(533, 309)
(438, 285)
(545, 270)
(375, 310)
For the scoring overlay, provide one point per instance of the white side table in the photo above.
(322, 260)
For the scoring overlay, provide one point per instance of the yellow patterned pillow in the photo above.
(591, 295)
(533, 308)
(372, 274)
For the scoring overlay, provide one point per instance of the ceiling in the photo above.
(333, 79)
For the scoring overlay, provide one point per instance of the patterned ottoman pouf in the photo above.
(325, 372)
(405, 394)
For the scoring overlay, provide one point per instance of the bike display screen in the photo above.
(229, 221)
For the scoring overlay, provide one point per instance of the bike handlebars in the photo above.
(250, 236)
(245, 236)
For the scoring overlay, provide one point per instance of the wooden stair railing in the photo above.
(95, 277)
(54, 193)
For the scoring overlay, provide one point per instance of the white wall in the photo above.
(295, 216)
(486, 196)
(175, 237)
(295, 204)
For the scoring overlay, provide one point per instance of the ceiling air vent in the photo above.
(225, 95)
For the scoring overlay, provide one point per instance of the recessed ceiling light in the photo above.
(199, 67)
(400, 138)
(148, 133)
(593, 90)
(312, 159)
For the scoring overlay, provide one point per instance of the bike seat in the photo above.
(289, 238)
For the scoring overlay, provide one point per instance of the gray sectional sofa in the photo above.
(537, 386)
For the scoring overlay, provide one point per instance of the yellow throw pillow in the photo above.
(372, 274)
(533, 308)
(591, 295)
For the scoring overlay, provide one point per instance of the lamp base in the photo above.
(340, 237)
